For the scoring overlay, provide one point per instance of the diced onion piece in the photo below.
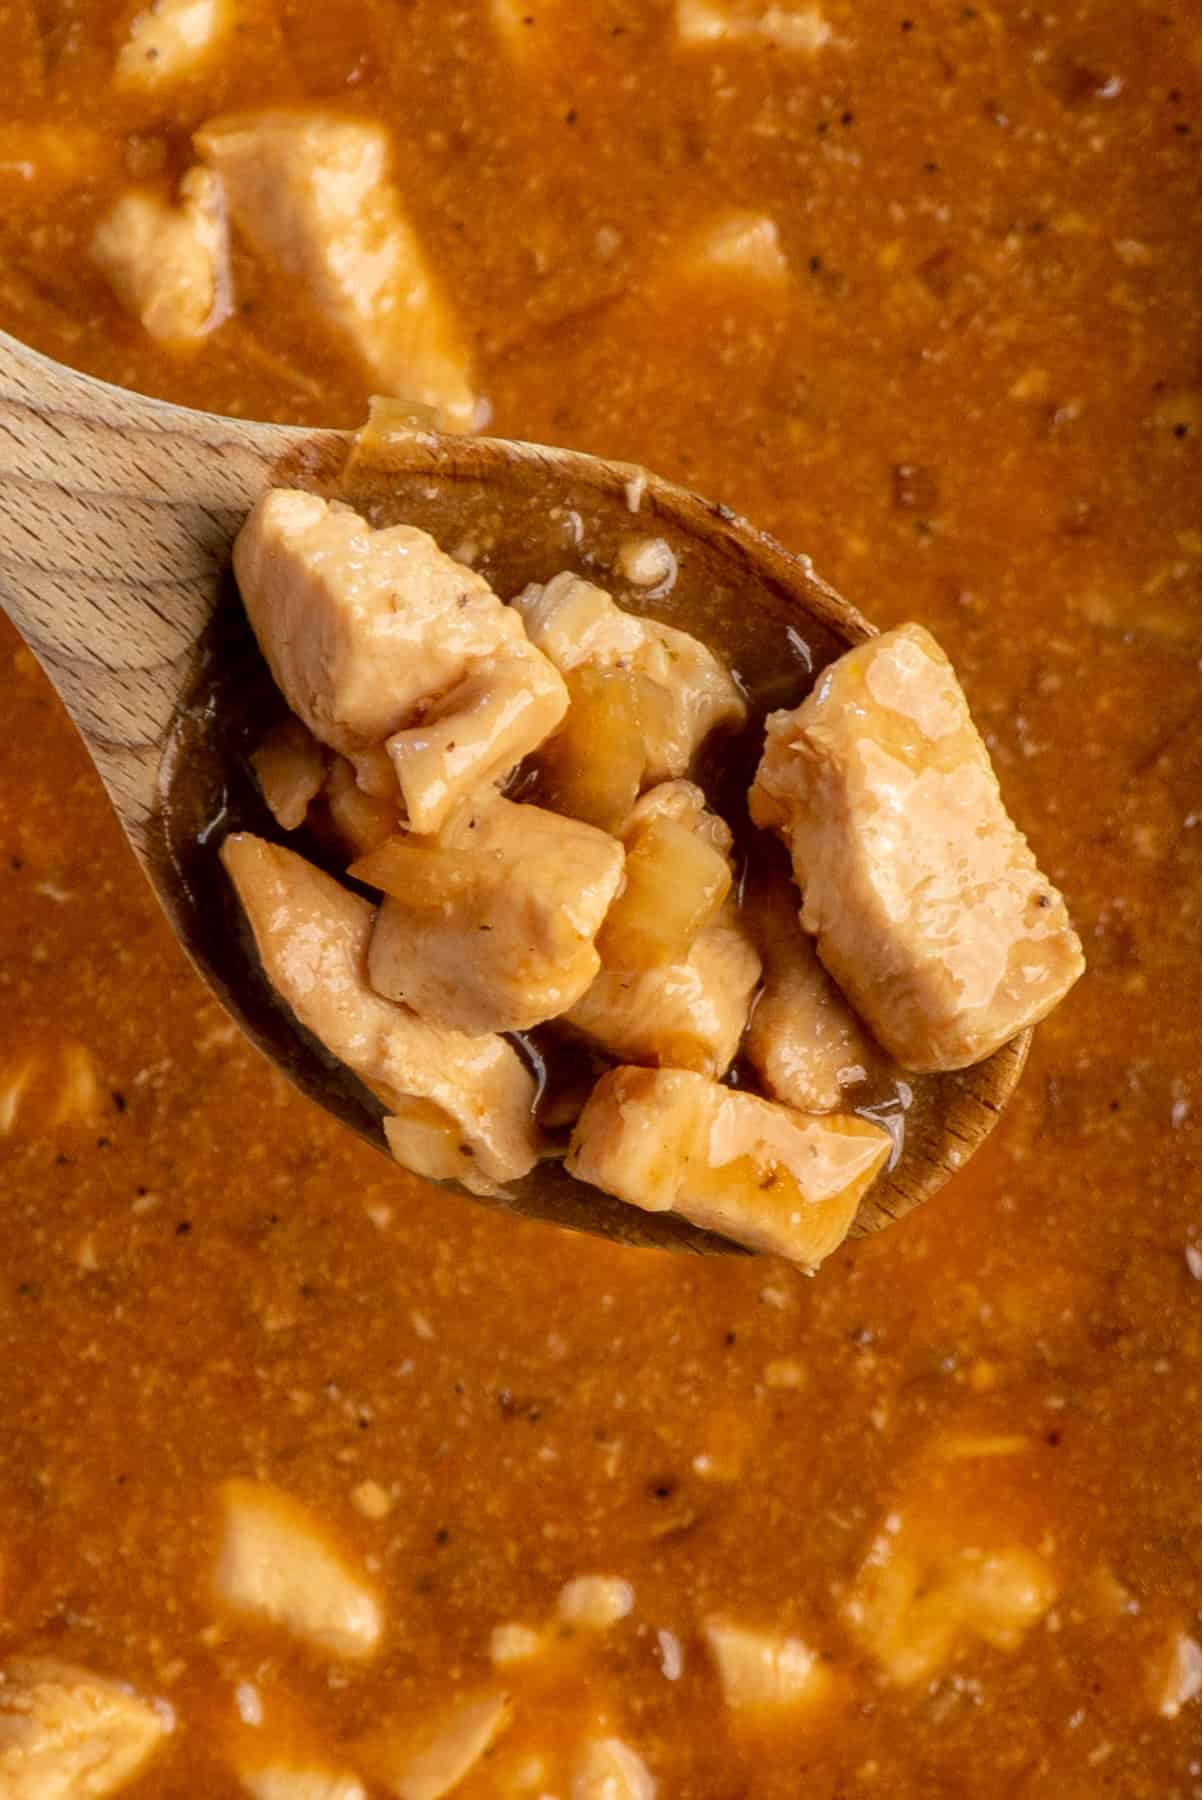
(361, 820)
(675, 885)
(593, 766)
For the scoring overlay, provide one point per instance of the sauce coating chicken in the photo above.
(926, 903)
(803, 1039)
(313, 195)
(66, 1734)
(775, 1180)
(462, 1106)
(168, 264)
(369, 632)
(491, 925)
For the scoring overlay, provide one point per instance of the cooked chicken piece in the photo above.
(290, 769)
(608, 1769)
(465, 1103)
(594, 1602)
(913, 1613)
(277, 1564)
(752, 22)
(427, 1761)
(369, 631)
(283, 1781)
(684, 803)
(765, 1669)
(312, 194)
(924, 898)
(741, 244)
(168, 265)
(804, 1039)
(66, 1734)
(686, 691)
(670, 1141)
(169, 40)
(501, 710)
(688, 1014)
(950, 1565)
(490, 925)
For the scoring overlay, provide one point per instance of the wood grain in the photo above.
(116, 518)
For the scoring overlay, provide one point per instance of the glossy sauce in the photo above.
(976, 403)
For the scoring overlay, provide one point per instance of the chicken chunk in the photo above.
(276, 1563)
(367, 632)
(925, 900)
(290, 769)
(765, 1669)
(430, 1759)
(670, 1141)
(501, 710)
(312, 194)
(65, 1733)
(751, 22)
(170, 40)
(687, 691)
(609, 1769)
(688, 1014)
(952, 1563)
(491, 924)
(168, 265)
(463, 1105)
(804, 1040)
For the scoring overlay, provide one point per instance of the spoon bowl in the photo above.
(117, 516)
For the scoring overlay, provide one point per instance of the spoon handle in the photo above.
(116, 518)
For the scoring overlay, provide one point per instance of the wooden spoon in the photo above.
(116, 518)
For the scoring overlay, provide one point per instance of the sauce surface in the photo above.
(975, 402)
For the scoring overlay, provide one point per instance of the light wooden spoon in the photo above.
(116, 518)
